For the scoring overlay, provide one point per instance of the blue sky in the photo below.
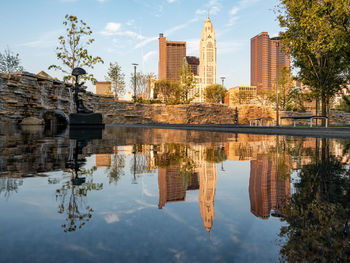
(127, 31)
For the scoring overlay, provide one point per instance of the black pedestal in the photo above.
(94, 119)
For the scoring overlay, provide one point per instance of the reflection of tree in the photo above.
(9, 185)
(215, 154)
(117, 168)
(72, 200)
(318, 213)
(177, 155)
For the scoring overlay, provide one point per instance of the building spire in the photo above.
(209, 13)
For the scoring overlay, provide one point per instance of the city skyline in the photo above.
(128, 32)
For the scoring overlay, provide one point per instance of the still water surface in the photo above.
(157, 195)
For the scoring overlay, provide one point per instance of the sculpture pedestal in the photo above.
(94, 119)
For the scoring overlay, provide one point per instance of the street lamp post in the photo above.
(222, 84)
(277, 69)
(135, 65)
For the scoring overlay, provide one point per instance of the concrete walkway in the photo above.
(331, 132)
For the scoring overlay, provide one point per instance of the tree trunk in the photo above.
(324, 107)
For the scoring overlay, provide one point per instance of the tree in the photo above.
(9, 62)
(72, 51)
(149, 77)
(117, 78)
(141, 83)
(187, 83)
(316, 38)
(168, 91)
(214, 93)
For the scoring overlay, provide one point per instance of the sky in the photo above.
(126, 31)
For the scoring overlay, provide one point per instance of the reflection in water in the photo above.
(319, 211)
(268, 190)
(9, 185)
(77, 211)
(304, 181)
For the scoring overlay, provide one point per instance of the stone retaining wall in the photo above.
(26, 95)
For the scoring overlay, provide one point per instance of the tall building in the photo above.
(208, 62)
(171, 57)
(193, 64)
(267, 58)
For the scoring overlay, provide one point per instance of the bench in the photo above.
(311, 118)
(259, 121)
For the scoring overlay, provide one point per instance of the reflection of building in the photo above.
(266, 59)
(267, 189)
(103, 88)
(207, 188)
(103, 160)
(171, 56)
(172, 185)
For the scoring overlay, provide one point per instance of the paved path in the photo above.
(331, 132)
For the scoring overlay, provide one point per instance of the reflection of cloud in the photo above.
(79, 249)
(148, 193)
(111, 218)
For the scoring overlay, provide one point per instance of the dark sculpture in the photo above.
(83, 116)
(77, 88)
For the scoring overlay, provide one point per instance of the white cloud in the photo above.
(102, 1)
(237, 8)
(171, 1)
(145, 42)
(192, 46)
(149, 55)
(111, 28)
(114, 29)
(46, 40)
(212, 7)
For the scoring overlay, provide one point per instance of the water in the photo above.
(157, 195)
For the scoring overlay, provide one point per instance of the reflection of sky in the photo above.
(127, 226)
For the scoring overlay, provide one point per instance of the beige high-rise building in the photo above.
(267, 58)
(208, 62)
(171, 57)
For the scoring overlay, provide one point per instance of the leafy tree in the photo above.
(72, 51)
(141, 83)
(149, 77)
(187, 83)
(344, 104)
(9, 62)
(168, 90)
(117, 78)
(316, 38)
(214, 93)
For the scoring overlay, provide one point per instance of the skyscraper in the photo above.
(171, 57)
(267, 58)
(208, 63)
